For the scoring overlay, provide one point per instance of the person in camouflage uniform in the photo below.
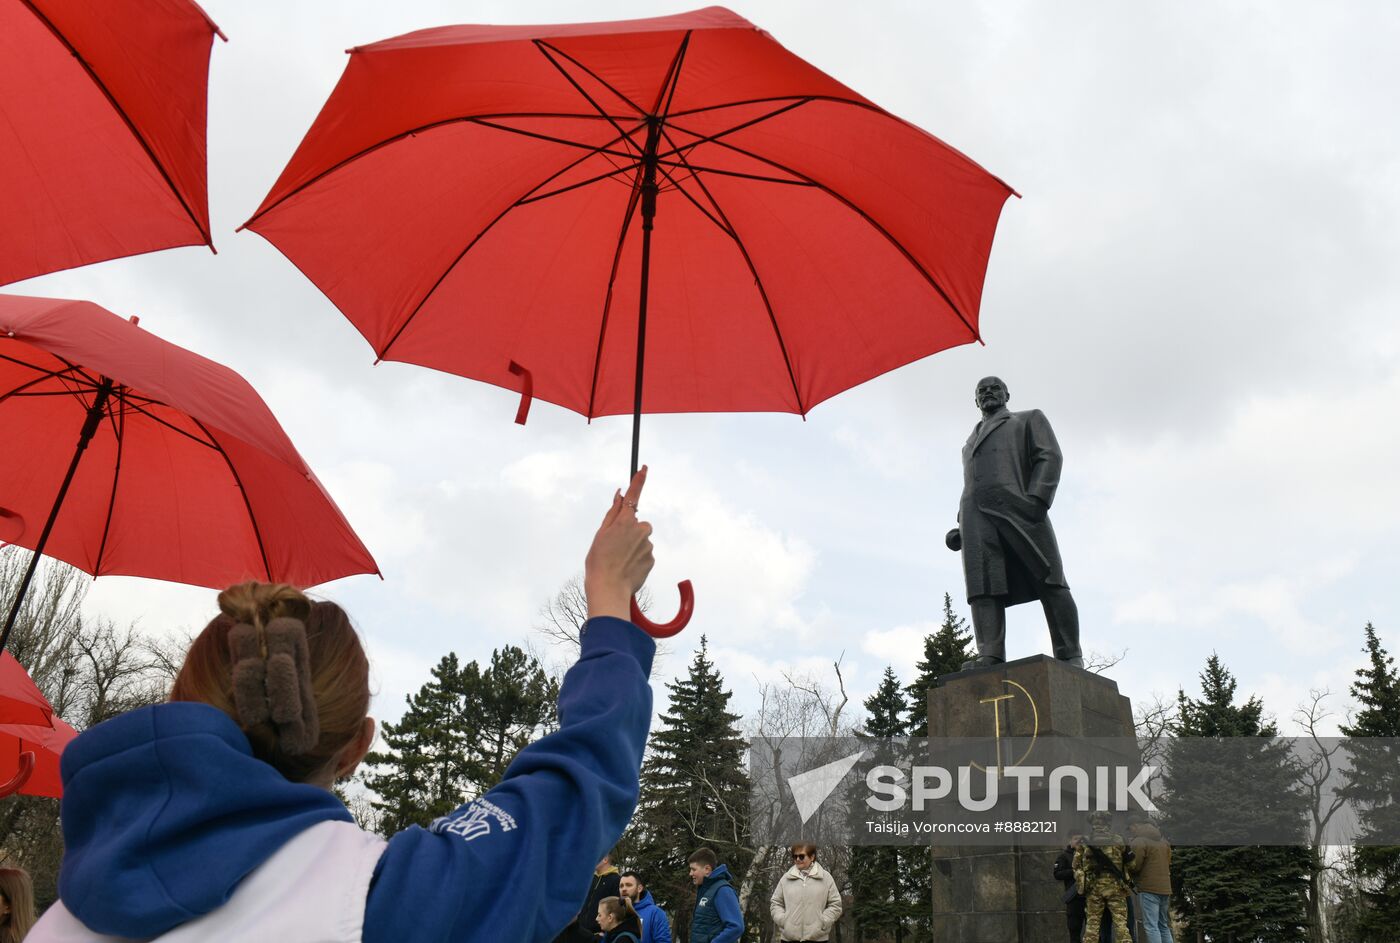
(1094, 874)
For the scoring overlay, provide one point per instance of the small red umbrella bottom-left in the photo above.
(38, 776)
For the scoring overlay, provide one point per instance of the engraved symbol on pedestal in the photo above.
(997, 723)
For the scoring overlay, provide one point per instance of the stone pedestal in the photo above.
(1007, 894)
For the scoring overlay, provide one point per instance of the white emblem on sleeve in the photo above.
(474, 820)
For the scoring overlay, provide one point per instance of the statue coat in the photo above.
(1008, 544)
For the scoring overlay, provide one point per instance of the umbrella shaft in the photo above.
(90, 423)
(649, 191)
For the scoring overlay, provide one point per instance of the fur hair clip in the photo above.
(272, 682)
(290, 697)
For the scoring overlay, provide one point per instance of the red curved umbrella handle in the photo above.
(668, 629)
(527, 391)
(26, 769)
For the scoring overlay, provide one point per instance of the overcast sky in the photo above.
(1199, 290)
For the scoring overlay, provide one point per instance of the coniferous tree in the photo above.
(458, 735)
(944, 652)
(1371, 785)
(879, 884)
(694, 789)
(887, 708)
(1245, 893)
(425, 763)
(515, 701)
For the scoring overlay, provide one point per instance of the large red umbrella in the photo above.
(663, 215)
(21, 701)
(29, 758)
(125, 454)
(102, 147)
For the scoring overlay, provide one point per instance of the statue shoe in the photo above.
(983, 661)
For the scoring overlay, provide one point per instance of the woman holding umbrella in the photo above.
(212, 817)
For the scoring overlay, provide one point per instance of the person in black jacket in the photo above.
(584, 928)
(1074, 901)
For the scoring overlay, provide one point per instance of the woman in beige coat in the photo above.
(806, 903)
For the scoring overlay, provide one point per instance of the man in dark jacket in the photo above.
(717, 917)
(584, 928)
(1074, 901)
(656, 926)
(1011, 468)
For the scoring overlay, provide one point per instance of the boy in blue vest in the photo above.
(717, 917)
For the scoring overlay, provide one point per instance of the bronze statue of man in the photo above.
(1011, 467)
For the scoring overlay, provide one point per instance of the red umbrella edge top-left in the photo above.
(103, 111)
(187, 477)
(21, 701)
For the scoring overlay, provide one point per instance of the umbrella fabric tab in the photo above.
(527, 391)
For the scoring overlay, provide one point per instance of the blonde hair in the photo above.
(333, 695)
(18, 891)
(622, 910)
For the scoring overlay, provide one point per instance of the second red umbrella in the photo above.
(125, 454)
(666, 215)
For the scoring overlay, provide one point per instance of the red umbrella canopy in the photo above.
(46, 743)
(469, 197)
(102, 149)
(21, 701)
(188, 476)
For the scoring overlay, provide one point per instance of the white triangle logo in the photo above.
(810, 789)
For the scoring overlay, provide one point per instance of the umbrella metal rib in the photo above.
(252, 519)
(487, 121)
(633, 199)
(546, 48)
(874, 224)
(729, 228)
(382, 352)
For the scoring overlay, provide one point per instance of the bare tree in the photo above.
(49, 616)
(561, 619)
(1323, 803)
(1099, 662)
(1152, 722)
(805, 711)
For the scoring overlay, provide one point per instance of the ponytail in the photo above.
(289, 671)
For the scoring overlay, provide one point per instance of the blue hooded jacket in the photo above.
(717, 917)
(166, 810)
(656, 927)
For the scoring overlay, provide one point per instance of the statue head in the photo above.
(991, 394)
